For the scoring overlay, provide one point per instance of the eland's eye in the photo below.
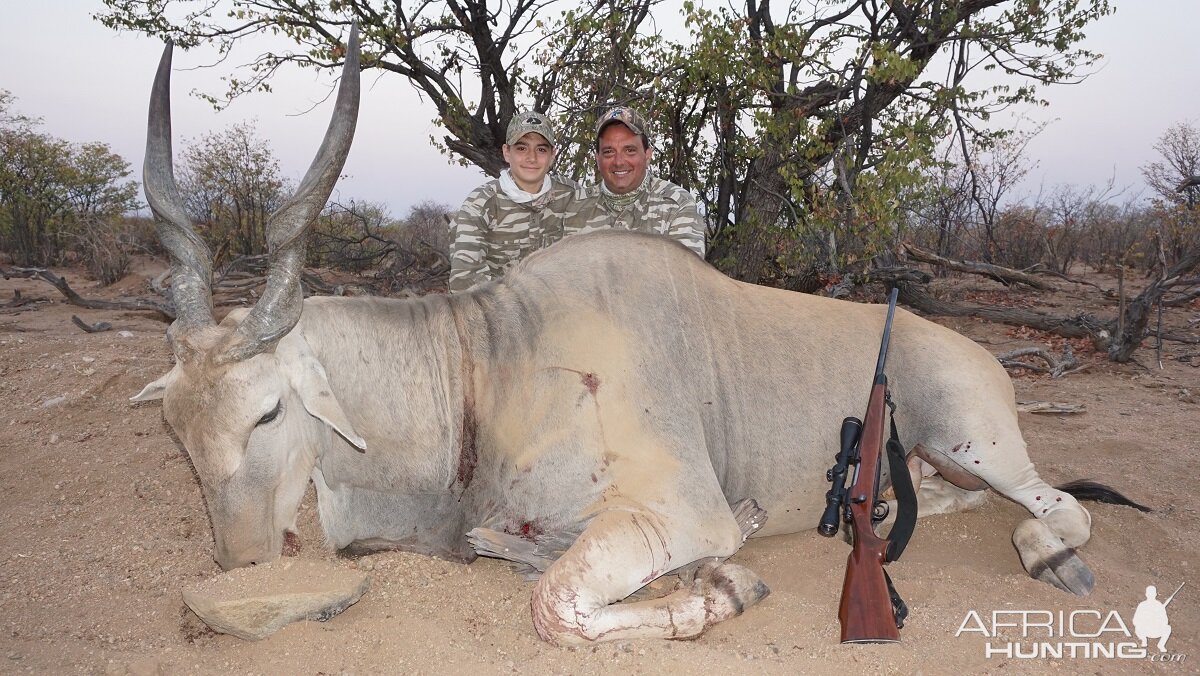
(270, 416)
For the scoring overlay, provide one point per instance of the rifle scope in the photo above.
(835, 499)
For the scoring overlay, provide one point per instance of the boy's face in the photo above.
(529, 160)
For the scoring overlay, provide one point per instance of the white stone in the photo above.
(253, 603)
(55, 401)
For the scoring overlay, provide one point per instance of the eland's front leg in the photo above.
(576, 601)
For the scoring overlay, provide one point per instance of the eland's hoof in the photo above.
(1046, 558)
(728, 590)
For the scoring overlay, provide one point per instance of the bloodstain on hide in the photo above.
(591, 381)
(529, 530)
(468, 454)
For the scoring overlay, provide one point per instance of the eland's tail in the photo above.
(1084, 489)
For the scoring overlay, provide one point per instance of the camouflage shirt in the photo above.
(491, 232)
(664, 208)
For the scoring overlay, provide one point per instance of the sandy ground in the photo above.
(103, 524)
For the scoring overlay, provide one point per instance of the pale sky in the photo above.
(89, 83)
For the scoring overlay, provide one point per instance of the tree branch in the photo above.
(74, 298)
(1006, 276)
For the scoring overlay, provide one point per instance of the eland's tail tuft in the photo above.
(1084, 489)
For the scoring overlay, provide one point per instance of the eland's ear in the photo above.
(309, 379)
(154, 390)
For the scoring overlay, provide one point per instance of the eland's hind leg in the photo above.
(938, 496)
(1046, 543)
(576, 600)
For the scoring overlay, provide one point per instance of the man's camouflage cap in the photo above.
(524, 122)
(626, 116)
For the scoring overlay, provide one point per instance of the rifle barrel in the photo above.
(887, 332)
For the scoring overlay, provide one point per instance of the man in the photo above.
(629, 196)
(507, 218)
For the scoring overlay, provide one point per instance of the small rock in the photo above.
(125, 334)
(55, 401)
(88, 360)
(54, 438)
(253, 603)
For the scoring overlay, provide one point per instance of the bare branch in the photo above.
(1006, 276)
(91, 328)
(1054, 366)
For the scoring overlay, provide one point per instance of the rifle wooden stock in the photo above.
(866, 611)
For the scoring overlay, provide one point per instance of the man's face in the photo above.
(621, 160)
(528, 160)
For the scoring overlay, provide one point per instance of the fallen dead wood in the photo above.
(236, 284)
(1049, 407)
(1082, 325)
(1056, 367)
(247, 272)
(1179, 338)
(1119, 336)
(20, 303)
(1039, 269)
(91, 328)
(1006, 276)
(18, 300)
(74, 298)
(1183, 298)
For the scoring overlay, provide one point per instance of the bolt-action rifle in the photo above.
(871, 611)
